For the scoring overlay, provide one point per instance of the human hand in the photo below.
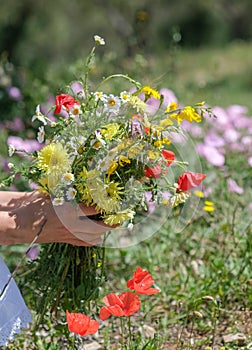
(66, 224)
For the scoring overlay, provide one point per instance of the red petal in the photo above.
(104, 313)
(116, 310)
(93, 326)
(64, 100)
(153, 172)
(130, 284)
(189, 180)
(131, 303)
(168, 155)
(147, 291)
(78, 323)
(147, 281)
(112, 299)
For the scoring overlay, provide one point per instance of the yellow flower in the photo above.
(110, 130)
(199, 194)
(149, 92)
(209, 206)
(114, 190)
(138, 104)
(54, 162)
(43, 185)
(158, 144)
(190, 114)
(173, 106)
(133, 151)
(100, 196)
(112, 168)
(166, 122)
(53, 159)
(122, 160)
(119, 217)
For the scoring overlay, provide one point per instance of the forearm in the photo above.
(18, 223)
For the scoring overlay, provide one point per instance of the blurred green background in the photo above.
(199, 49)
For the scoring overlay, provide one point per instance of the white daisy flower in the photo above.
(41, 134)
(124, 96)
(99, 40)
(39, 116)
(67, 178)
(58, 201)
(11, 150)
(71, 193)
(100, 96)
(98, 137)
(76, 110)
(112, 104)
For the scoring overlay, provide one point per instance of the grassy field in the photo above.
(204, 271)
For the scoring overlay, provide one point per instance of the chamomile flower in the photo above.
(99, 40)
(71, 193)
(99, 96)
(76, 110)
(98, 139)
(58, 201)
(67, 178)
(124, 96)
(39, 116)
(41, 134)
(112, 104)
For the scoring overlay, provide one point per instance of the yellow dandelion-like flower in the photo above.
(100, 196)
(209, 206)
(119, 218)
(114, 190)
(138, 104)
(110, 130)
(53, 159)
(199, 194)
(149, 92)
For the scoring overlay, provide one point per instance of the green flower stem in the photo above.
(136, 83)
(130, 333)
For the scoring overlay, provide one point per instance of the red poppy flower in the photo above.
(81, 324)
(124, 304)
(153, 172)
(189, 180)
(169, 156)
(141, 282)
(64, 100)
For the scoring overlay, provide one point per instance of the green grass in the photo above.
(223, 77)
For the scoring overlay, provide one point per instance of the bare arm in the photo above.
(22, 214)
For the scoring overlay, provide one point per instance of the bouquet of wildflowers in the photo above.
(110, 151)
